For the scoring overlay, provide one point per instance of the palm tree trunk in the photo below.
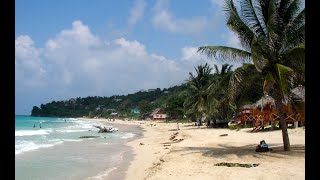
(283, 124)
(272, 125)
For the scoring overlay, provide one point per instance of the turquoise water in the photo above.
(55, 150)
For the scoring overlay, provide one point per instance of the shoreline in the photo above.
(194, 156)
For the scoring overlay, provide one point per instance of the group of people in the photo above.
(34, 125)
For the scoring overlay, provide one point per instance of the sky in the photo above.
(79, 48)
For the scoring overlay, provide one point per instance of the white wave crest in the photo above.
(127, 135)
(102, 175)
(24, 146)
(71, 130)
(32, 132)
(72, 140)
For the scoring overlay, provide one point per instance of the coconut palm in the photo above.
(248, 90)
(272, 35)
(197, 99)
(218, 104)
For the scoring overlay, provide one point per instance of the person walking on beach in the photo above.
(199, 122)
(34, 125)
(40, 125)
(178, 127)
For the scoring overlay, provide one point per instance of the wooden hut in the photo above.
(263, 112)
(158, 114)
(246, 115)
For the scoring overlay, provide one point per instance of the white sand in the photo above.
(194, 157)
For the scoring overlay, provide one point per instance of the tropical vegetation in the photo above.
(272, 36)
(272, 50)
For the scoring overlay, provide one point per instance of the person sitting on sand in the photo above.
(263, 147)
(263, 144)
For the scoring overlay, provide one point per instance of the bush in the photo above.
(233, 127)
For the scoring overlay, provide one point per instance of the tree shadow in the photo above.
(247, 150)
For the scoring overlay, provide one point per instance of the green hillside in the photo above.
(144, 101)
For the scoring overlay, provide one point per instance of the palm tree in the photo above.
(248, 90)
(272, 35)
(225, 68)
(197, 99)
(219, 105)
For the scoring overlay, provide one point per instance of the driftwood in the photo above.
(174, 135)
(89, 136)
(236, 165)
(106, 130)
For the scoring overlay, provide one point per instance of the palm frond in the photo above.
(294, 32)
(292, 11)
(229, 68)
(216, 69)
(251, 18)
(295, 57)
(258, 54)
(226, 53)
(285, 76)
(272, 18)
(237, 78)
(262, 11)
(268, 83)
(236, 24)
(224, 69)
(283, 6)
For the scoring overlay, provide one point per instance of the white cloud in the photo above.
(77, 63)
(165, 20)
(27, 61)
(136, 13)
(219, 3)
(233, 40)
(190, 53)
(134, 47)
(24, 48)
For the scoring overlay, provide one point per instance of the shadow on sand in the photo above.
(247, 150)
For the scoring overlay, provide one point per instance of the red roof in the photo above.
(157, 111)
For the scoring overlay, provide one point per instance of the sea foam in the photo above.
(32, 132)
(127, 135)
(24, 146)
(102, 175)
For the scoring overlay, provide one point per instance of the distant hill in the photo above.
(144, 101)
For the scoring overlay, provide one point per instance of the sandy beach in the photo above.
(193, 153)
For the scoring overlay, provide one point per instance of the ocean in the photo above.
(56, 151)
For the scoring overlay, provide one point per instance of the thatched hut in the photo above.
(264, 110)
(299, 92)
(265, 103)
(299, 105)
(247, 106)
(245, 112)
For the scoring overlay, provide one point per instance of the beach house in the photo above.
(158, 114)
